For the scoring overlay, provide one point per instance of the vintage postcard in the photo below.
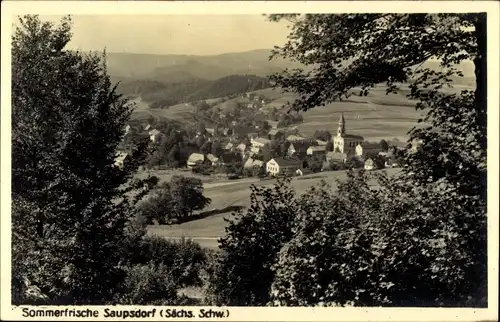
(250, 161)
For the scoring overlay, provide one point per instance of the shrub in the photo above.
(241, 275)
(391, 246)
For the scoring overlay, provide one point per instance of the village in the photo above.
(264, 147)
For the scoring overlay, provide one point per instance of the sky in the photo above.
(175, 34)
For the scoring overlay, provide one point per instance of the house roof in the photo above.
(242, 147)
(369, 160)
(147, 127)
(229, 145)
(317, 148)
(294, 138)
(210, 130)
(336, 156)
(321, 142)
(195, 157)
(286, 162)
(262, 141)
(275, 131)
(212, 158)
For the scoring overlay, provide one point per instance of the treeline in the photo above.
(162, 95)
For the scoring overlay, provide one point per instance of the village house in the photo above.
(126, 130)
(241, 148)
(336, 157)
(345, 143)
(255, 150)
(147, 127)
(321, 143)
(316, 150)
(210, 131)
(194, 159)
(366, 148)
(294, 138)
(273, 124)
(259, 142)
(155, 135)
(391, 162)
(251, 163)
(416, 145)
(280, 166)
(229, 146)
(298, 148)
(121, 159)
(274, 134)
(212, 158)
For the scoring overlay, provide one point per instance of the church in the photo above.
(343, 142)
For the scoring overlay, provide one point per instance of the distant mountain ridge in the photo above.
(153, 66)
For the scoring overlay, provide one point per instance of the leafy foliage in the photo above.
(390, 246)
(242, 274)
(69, 207)
(447, 172)
(176, 199)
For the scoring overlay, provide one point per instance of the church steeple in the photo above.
(341, 129)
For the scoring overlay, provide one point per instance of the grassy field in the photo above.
(206, 231)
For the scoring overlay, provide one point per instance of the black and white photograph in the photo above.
(257, 159)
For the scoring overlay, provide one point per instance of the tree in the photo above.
(384, 145)
(217, 149)
(206, 148)
(323, 135)
(453, 157)
(202, 106)
(187, 196)
(241, 275)
(69, 207)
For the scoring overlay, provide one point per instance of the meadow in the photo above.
(236, 193)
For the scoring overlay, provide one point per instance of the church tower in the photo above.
(341, 129)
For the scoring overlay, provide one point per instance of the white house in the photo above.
(194, 159)
(147, 127)
(259, 142)
(280, 166)
(365, 148)
(212, 158)
(229, 146)
(121, 159)
(369, 164)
